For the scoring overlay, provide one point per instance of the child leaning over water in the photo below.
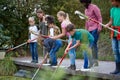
(83, 39)
(52, 46)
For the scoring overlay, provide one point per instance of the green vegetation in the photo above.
(12, 78)
(7, 67)
(49, 74)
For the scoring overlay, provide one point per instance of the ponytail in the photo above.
(67, 17)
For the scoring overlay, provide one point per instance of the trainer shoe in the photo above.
(72, 67)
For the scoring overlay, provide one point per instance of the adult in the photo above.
(92, 11)
(42, 26)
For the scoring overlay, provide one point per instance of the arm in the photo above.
(109, 23)
(86, 24)
(76, 45)
(34, 31)
(60, 35)
(99, 17)
(91, 38)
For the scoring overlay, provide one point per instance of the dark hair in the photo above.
(87, 2)
(50, 19)
(117, 0)
(70, 27)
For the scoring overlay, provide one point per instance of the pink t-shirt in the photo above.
(93, 12)
(64, 25)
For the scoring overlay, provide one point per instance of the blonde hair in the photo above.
(65, 15)
(31, 18)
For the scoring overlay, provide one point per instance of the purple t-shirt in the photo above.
(93, 12)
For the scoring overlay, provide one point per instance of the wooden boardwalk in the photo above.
(102, 71)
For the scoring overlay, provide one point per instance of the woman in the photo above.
(93, 12)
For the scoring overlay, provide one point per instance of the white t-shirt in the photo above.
(51, 32)
(34, 31)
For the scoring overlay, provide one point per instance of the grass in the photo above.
(7, 67)
(12, 78)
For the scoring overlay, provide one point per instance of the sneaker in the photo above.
(96, 64)
(85, 69)
(35, 61)
(53, 64)
(72, 67)
(32, 61)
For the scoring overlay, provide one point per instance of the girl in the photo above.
(64, 19)
(33, 31)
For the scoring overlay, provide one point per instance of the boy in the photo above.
(85, 40)
(115, 23)
(53, 30)
(33, 31)
(52, 46)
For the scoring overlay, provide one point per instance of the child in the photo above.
(115, 23)
(93, 12)
(52, 46)
(53, 30)
(64, 19)
(85, 40)
(33, 31)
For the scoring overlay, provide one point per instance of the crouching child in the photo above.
(52, 46)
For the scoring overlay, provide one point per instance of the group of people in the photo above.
(85, 38)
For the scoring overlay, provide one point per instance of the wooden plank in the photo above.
(77, 72)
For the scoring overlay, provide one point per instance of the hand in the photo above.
(43, 18)
(30, 31)
(67, 50)
(53, 38)
(106, 25)
(28, 41)
(99, 29)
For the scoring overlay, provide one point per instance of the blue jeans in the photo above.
(85, 59)
(53, 51)
(34, 51)
(88, 60)
(116, 49)
(72, 52)
(95, 34)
